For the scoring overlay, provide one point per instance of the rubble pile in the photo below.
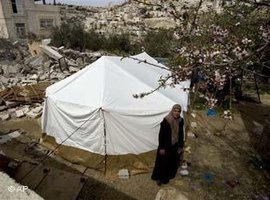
(7, 52)
(26, 72)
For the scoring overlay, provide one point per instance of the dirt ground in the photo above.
(220, 164)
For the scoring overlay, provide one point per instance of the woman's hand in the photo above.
(179, 150)
(162, 152)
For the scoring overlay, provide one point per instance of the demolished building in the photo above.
(19, 18)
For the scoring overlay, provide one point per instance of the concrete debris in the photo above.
(37, 110)
(193, 125)
(29, 70)
(3, 80)
(73, 69)
(28, 81)
(4, 117)
(193, 115)
(37, 61)
(26, 109)
(123, 173)
(6, 138)
(46, 41)
(50, 52)
(3, 108)
(191, 134)
(10, 103)
(187, 149)
(35, 113)
(27, 94)
(19, 113)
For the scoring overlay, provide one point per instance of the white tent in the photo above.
(94, 109)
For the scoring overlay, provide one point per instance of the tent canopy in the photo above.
(94, 109)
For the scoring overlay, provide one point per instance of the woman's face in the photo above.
(176, 113)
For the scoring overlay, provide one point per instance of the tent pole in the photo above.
(105, 143)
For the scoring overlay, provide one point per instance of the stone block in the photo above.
(10, 103)
(3, 108)
(37, 110)
(33, 115)
(19, 113)
(73, 69)
(123, 173)
(193, 125)
(26, 109)
(29, 81)
(5, 116)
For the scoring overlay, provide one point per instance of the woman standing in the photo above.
(171, 143)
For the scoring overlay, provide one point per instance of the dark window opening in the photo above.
(46, 23)
(14, 6)
(20, 29)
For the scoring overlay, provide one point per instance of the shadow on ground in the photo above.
(256, 118)
(54, 180)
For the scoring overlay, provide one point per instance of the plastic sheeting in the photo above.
(94, 109)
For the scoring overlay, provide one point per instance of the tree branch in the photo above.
(146, 62)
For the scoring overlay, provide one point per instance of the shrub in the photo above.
(158, 43)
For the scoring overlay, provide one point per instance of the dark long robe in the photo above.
(166, 165)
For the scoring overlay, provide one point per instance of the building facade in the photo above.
(21, 17)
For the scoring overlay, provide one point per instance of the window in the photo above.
(20, 29)
(14, 6)
(46, 23)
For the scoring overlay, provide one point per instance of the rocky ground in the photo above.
(219, 153)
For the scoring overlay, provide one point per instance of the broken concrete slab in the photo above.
(34, 77)
(26, 109)
(3, 108)
(73, 69)
(37, 62)
(3, 79)
(123, 173)
(19, 113)
(62, 64)
(46, 41)
(60, 76)
(10, 136)
(51, 52)
(37, 110)
(5, 117)
(29, 81)
(33, 115)
(11, 110)
(80, 61)
(8, 70)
